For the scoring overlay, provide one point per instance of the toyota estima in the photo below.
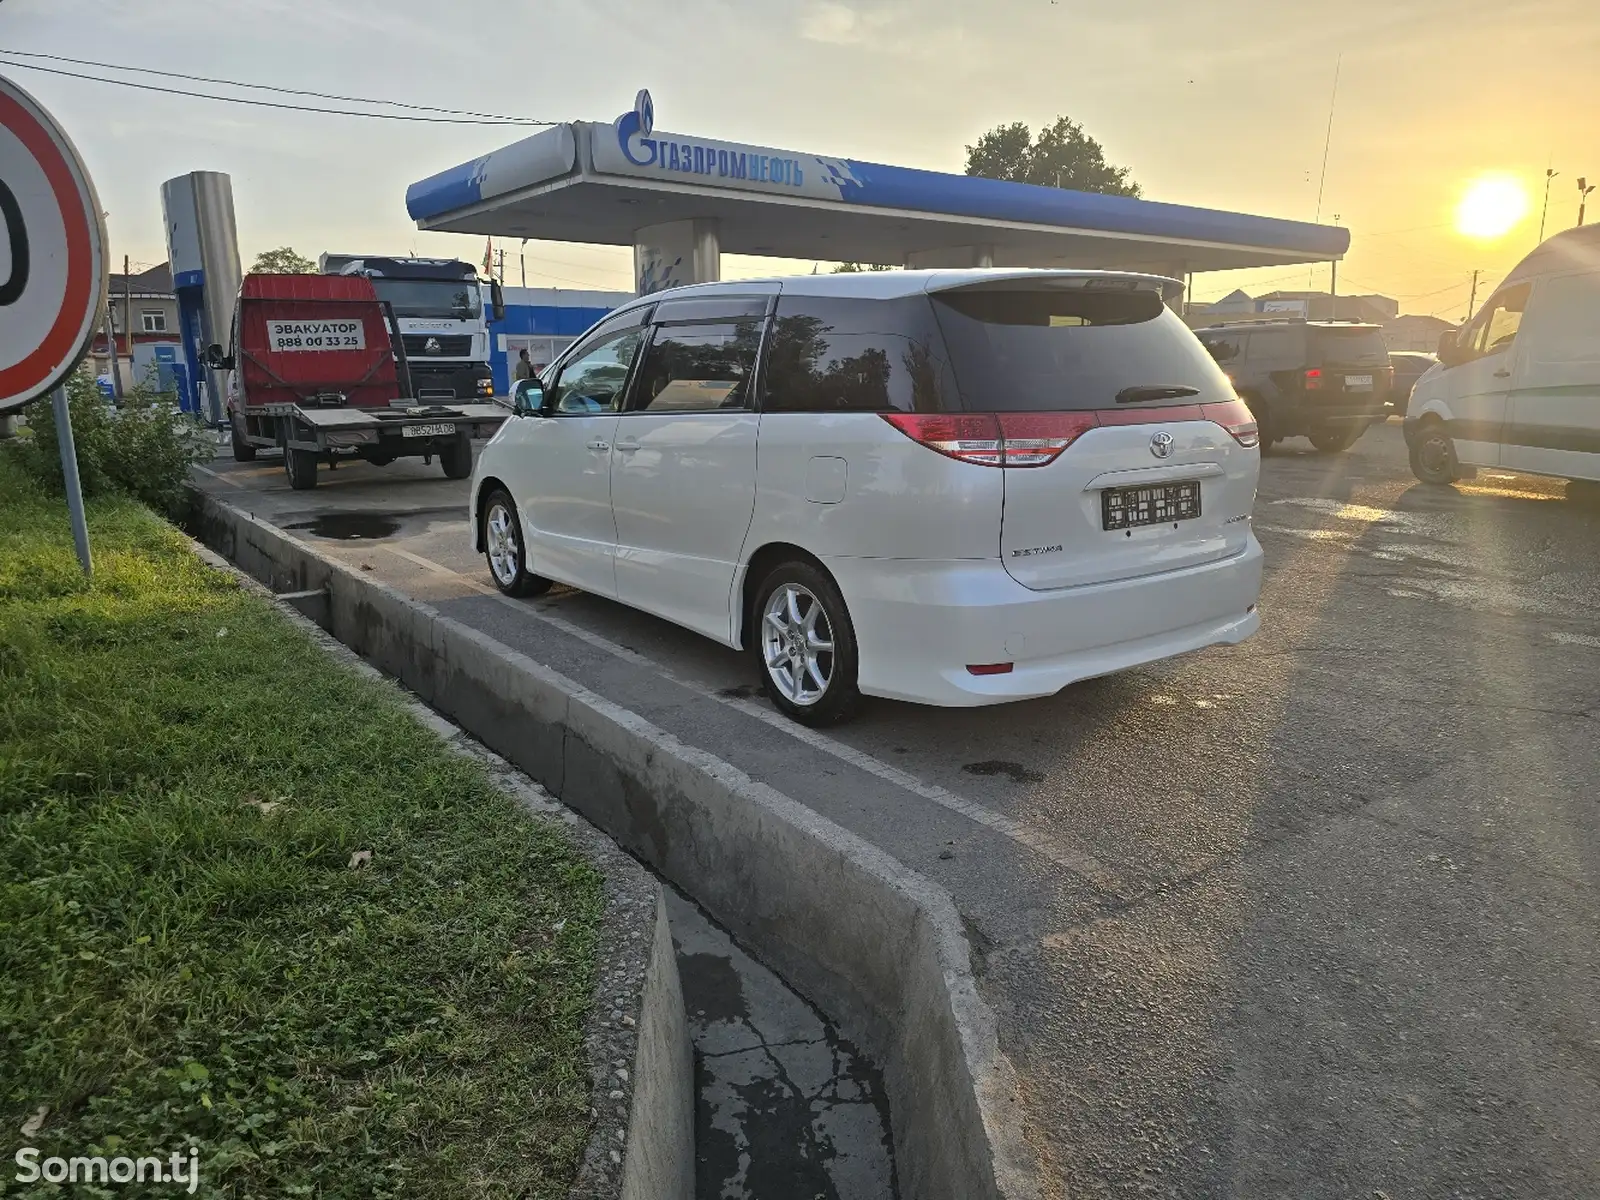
(951, 487)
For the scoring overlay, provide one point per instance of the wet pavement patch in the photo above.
(785, 1107)
(349, 527)
(1015, 772)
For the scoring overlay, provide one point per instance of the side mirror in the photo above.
(1447, 353)
(497, 300)
(216, 359)
(529, 398)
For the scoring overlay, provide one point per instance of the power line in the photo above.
(269, 87)
(336, 112)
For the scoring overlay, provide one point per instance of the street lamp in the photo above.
(1550, 173)
(1583, 196)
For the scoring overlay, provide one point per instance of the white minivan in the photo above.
(951, 487)
(1519, 385)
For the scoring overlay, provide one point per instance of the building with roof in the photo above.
(143, 310)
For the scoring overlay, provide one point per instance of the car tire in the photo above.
(504, 548)
(1433, 455)
(1583, 491)
(1335, 440)
(301, 467)
(797, 607)
(456, 458)
(243, 451)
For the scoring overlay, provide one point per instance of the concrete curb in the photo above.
(877, 946)
(638, 1018)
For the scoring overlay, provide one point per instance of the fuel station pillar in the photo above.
(676, 253)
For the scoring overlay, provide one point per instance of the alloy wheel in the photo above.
(797, 644)
(504, 553)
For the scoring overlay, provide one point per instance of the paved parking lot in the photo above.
(1309, 917)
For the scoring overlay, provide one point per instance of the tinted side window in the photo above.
(1274, 347)
(592, 380)
(831, 354)
(697, 368)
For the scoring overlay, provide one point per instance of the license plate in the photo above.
(1131, 507)
(428, 430)
(1358, 383)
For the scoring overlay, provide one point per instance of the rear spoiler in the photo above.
(1171, 290)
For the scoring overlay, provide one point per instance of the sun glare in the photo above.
(1492, 206)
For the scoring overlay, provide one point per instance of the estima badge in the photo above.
(1161, 445)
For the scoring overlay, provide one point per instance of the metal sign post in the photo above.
(53, 273)
(69, 471)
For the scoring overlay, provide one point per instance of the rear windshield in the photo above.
(1043, 350)
(1361, 346)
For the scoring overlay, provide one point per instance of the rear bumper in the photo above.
(919, 624)
(1313, 413)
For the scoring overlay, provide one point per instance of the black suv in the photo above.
(1325, 380)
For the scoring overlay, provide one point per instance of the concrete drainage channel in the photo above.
(879, 948)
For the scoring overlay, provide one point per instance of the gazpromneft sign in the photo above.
(690, 157)
(631, 146)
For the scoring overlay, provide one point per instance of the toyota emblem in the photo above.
(431, 346)
(1161, 445)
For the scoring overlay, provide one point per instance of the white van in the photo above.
(956, 487)
(1519, 386)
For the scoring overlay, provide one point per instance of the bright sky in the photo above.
(1222, 106)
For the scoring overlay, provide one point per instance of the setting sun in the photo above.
(1491, 207)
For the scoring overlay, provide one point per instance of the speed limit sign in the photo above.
(52, 252)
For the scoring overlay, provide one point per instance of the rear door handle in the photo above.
(1502, 374)
(599, 445)
(627, 447)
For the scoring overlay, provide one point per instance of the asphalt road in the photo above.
(1310, 917)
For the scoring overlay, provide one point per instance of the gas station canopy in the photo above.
(623, 183)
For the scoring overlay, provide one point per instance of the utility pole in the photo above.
(522, 256)
(109, 321)
(1472, 301)
(1583, 197)
(127, 311)
(1549, 174)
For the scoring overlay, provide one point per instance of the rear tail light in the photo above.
(1034, 439)
(968, 437)
(990, 669)
(1313, 380)
(1037, 439)
(1236, 418)
(996, 440)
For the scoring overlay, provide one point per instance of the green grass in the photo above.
(179, 966)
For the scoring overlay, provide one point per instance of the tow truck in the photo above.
(317, 369)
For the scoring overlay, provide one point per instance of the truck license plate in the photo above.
(1132, 507)
(1358, 383)
(428, 430)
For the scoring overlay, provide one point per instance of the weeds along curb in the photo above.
(642, 1147)
(878, 947)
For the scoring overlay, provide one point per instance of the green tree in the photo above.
(282, 261)
(1062, 155)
